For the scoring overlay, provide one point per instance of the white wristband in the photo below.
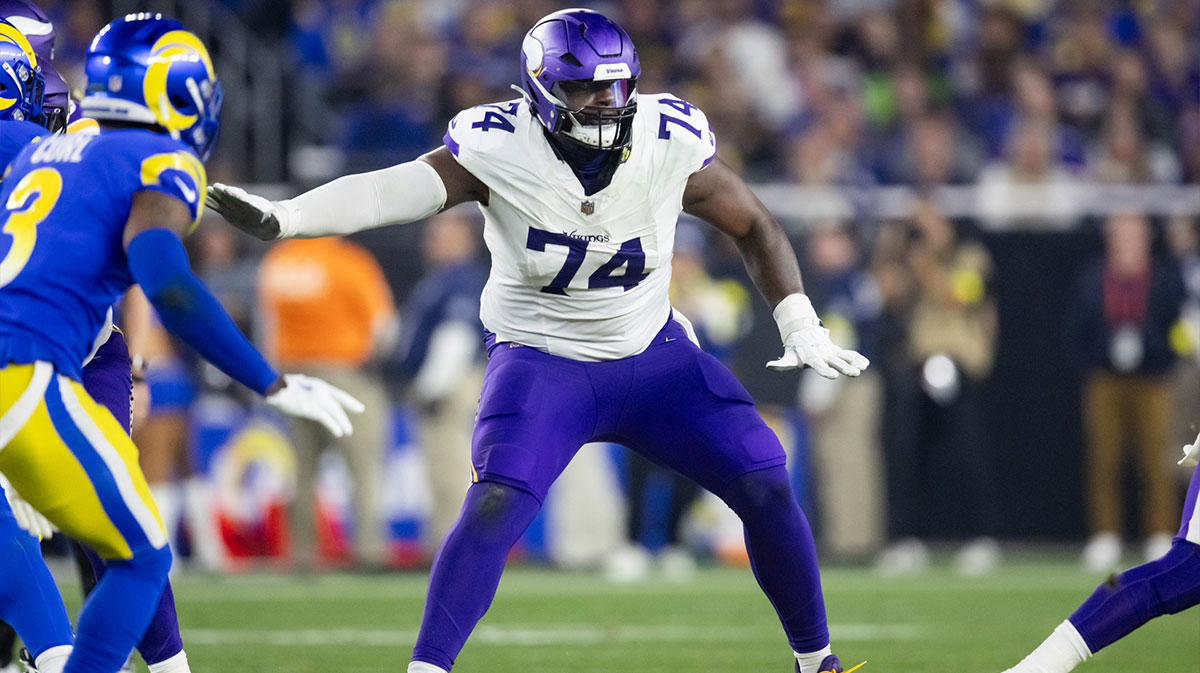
(793, 313)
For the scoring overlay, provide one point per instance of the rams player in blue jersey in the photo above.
(33, 605)
(107, 375)
(83, 217)
(29, 599)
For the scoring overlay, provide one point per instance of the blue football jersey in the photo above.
(63, 209)
(14, 136)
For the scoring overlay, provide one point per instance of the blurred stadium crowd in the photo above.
(1010, 338)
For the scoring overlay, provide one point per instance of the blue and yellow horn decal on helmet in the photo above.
(177, 49)
(148, 69)
(22, 86)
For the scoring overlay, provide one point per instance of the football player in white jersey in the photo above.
(580, 182)
(1126, 601)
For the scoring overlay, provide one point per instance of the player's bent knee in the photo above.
(150, 562)
(758, 490)
(490, 502)
(1179, 588)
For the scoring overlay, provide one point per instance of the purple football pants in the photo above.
(107, 378)
(1165, 586)
(672, 403)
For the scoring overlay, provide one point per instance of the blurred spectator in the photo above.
(1131, 93)
(845, 413)
(329, 312)
(1123, 155)
(938, 292)
(1125, 306)
(932, 151)
(443, 361)
(327, 43)
(1081, 59)
(398, 90)
(1030, 189)
(1183, 237)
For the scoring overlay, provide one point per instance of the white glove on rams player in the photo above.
(1191, 454)
(27, 517)
(259, 217)
(806, 343)
(309, 397)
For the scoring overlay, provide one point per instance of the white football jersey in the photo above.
(581, 277)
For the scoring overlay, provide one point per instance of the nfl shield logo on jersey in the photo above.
(587, 207)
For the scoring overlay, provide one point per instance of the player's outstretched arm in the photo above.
(718, 195)
(159, 264)
(402, 193)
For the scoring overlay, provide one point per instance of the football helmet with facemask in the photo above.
(39, 30)
(22, 86)
(148, 69)
(579, 72)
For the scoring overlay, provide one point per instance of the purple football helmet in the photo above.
(33, 23)
(578, 53)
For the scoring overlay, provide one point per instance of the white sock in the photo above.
(207, 545)
(1060, 653)
(810, 661)
(422, 667)
(53, 660)
(175, 664)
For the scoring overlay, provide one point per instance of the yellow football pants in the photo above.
(72, 461)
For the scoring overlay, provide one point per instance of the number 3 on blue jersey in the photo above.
(30, 202)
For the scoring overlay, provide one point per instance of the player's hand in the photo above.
(1191, 454)
(27, 517)
(806, 343)
(251, 213)
(309, 397)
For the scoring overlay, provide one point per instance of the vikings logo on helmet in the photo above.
(33, 23)
(578, 50)
(148, 69)
(21, 83)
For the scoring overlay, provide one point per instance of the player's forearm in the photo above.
(770, 260)
(403, 193)
(187, 309)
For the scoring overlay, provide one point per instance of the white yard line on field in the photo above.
(528, 635)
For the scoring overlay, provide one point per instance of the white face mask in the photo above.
(600, 136)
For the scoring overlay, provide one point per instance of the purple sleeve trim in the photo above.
(712, 156)
(450, 143)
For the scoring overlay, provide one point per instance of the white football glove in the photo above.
(806, 343)
(1191, 454)
(262, 219)
(309, 397)
(27, 517)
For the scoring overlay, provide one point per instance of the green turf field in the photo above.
(553, 622)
